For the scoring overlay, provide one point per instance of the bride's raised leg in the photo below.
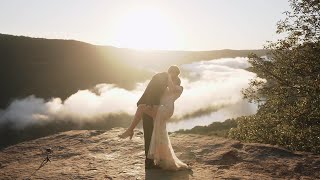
(142, 108)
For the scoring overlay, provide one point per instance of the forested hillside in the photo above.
(58, 68)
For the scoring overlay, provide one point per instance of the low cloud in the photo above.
(215, 83)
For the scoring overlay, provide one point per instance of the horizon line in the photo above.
(135, 49)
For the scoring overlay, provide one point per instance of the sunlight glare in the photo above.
(146, 29)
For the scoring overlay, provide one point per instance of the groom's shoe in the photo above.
(152, 167)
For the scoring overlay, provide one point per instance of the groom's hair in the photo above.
(174, 69)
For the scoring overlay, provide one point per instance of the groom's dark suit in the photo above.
(151, 96)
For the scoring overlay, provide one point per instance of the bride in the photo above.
(160, 148)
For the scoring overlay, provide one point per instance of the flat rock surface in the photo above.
(83, 154)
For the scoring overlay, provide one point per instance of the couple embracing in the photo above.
(155, 107)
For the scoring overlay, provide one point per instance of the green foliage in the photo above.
(289, 93)
(220, 129)
(302, 24)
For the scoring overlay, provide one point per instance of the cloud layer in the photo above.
(206, 84)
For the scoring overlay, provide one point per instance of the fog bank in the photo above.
(215, 83)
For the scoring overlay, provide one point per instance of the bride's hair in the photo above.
(177, 81)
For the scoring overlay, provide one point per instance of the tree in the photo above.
(287, 87)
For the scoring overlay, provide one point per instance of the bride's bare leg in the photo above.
(142, 108)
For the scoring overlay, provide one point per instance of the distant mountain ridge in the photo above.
(58, 68)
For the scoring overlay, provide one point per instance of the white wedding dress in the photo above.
(160, 148)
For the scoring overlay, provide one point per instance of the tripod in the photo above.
(47, 152)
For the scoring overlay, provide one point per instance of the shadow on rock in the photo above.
(261, 151)
(226, 158)
(158, 174)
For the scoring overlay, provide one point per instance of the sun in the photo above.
(146, 29)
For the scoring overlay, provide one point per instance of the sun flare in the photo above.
(146, 29)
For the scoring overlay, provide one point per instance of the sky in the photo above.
(194, 25)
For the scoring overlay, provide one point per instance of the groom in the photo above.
(151, 96)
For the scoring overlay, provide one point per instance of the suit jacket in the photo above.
(154, 90)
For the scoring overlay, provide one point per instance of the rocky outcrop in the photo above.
(85, 154)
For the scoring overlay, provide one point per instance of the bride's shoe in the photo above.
(189, 167)
(126, 134)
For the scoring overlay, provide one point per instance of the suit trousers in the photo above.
(147, 131)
